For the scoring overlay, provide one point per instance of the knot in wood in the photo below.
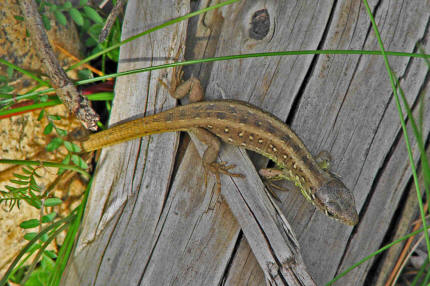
(260, 25)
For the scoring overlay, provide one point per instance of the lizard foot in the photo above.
(271, 187)
(269, 176)
(323, 160)
(220, 168)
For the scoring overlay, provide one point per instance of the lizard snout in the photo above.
(337, 201)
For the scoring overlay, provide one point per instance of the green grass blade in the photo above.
(35, 94)
(66, 248)
(168, 23)
(420, 273)
(36, 259)
(370, 256)
(5, 277)
(23, 71)
(45, 164)
(403, 124)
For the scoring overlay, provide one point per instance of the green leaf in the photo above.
(93, 15)
(41, 114)
(72, 147)
(29, 223)
(61, 132)
(6, 89)
(38, 277)
(28, 170)
(10, 71)
(47, 260)
(19, 18)
(35, 174)
(19, 182)
(49, 217)
(54, 117)
(85, 74)
(94, 31)
(54, 144)
(87, 24)
(83, 2)
(51, 6)
(15, 189)
(67, 5)
(66, 159)
(52, 202)
(90, 42)
(48, 128)
(76, 16)
(78, 161)
(51, 254)
(33, 248)
(35, 187)
(33, 195)
(46, 22)
(20, 176)
(60, 17)
(34, 202)
(44, 237)
(30, 235)
(114, 38)
(43, 98)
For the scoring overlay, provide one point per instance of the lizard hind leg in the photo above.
(210, 156)
(220, 168)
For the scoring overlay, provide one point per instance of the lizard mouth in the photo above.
(337, 202)
(349, 218)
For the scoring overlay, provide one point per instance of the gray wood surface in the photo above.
(149, 224)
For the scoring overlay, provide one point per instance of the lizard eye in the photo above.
(333, 208)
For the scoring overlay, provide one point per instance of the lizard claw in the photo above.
(220, 168)
(223, 168)
(270, 187)
(323, 160)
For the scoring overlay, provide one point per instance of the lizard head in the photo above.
(336, 201)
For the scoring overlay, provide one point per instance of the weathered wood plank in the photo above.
(325, 91)
(342, 104)
(407, 218)
(264, 81)
(388, 185)
(197, 232)
(360, 127)
(122, 167)
(244, 268)
(276, 259)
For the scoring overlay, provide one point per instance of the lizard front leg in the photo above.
(191, 87)
(179, 89)
(276, 174)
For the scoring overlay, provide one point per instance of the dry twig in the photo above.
(64, 87)
(111, 19)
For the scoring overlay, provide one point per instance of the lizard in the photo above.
(241, 124)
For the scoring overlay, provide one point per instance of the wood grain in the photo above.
(171, 229)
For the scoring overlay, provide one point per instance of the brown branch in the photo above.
(64, 87)
(111, 19)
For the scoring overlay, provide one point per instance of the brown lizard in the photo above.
(244, 125)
